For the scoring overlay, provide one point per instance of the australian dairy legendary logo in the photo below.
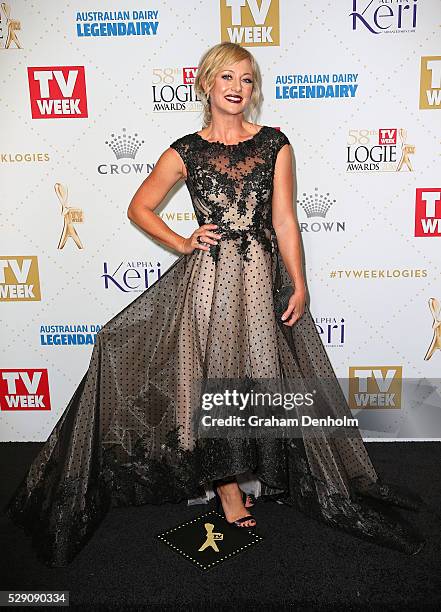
(58, 92)
(435, 309)
(316, 85)
(19, 279)
(8, 28)
(332, 330)
(131, 275)
(125, 148)
(68, 335)
(117, 23)
(430, 82)
(428, 212)
(173, 90)
(384, 16)
(250, 23)
(24, 389)
(375, 386)
(379, 150)
(318, 205)
(70, 215)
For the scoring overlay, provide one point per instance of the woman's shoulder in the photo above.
(183, 139)
(183, 145)
(278, 136)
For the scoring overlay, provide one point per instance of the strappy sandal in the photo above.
(249, 498)
(240, 521)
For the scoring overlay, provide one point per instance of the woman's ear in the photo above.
(204, 86)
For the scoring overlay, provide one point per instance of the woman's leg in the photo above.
(232, 501)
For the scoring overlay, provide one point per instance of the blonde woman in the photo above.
(128, 435)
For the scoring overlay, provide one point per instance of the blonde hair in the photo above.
(212, 62)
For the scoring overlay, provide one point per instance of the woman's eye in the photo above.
(228, 76)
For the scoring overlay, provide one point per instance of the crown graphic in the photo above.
(125, 145)
(316, 205)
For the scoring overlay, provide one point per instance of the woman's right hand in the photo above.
(206, 235)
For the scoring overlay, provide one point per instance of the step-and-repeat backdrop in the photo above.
(93, 92)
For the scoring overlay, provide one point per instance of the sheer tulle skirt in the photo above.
(126, 437)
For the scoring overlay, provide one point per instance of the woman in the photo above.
(128, 435)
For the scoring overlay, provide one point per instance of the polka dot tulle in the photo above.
(127, 436)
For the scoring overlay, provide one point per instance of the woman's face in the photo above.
(232, 88)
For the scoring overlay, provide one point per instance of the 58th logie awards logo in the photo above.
(379, 150)
(10, 27)
(173, 90)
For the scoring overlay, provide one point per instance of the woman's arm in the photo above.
(168, 170)
(284, 220)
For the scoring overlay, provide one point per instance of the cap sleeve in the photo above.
(280, 139)
(181, 146)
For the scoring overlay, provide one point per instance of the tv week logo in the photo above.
(24, 389)
(189, 75)
(57, 92)
(428, 212)
(19, 278)
(375, 386)
(387, 136)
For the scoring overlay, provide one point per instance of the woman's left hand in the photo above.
(296, 307)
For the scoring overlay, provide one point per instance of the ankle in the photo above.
(227, 490)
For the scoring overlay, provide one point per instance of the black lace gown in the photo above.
(126, 436)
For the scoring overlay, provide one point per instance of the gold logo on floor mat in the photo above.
(211, 538)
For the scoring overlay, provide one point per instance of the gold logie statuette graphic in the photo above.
(12, 25)
(70, 216)
(211, 538)
(435, 309)
(406, 150)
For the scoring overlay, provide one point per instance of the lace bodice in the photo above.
(232, 185)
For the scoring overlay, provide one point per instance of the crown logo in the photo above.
(316, 205)
(124, 145)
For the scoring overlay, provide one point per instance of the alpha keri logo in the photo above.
(384, 16)
(430, 82)
(24, 389)
(58, 92)
(428, 212)
(19, 279)
(375, 387)
(250, 23)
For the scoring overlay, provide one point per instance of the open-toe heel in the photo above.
(238, 522)
(248, 497)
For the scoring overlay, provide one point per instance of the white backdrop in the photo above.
(89, 103)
